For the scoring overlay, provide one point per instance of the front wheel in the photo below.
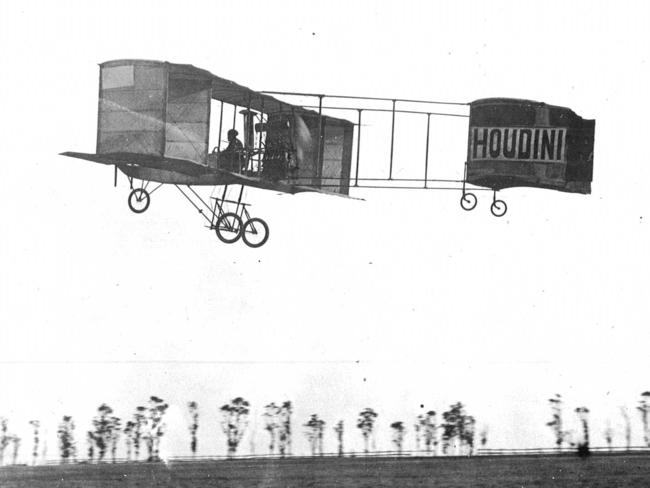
(139, 200)
(468, 201)
(498, 208)
(255, 232)
(229, 227)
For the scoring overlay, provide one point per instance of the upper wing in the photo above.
(147, 161)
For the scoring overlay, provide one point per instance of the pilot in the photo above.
(234, 144)
(232, 155)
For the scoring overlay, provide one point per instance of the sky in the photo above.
(398, 300)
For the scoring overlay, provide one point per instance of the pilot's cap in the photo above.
(233, 133)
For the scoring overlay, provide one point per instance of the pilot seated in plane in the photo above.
(232, 157)
(234, 144)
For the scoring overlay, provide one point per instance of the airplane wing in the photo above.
(283, 186)
(193, 174)
(183, 166)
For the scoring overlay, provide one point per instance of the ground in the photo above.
(477, 472)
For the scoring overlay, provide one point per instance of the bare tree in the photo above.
(449, 432)
(338, 428)
(137, 434)
(235, 420)
(366, 423)
(90, 440)
(272, 424)
(36, 425)
(398, 435)
(128, 436)
(429, 430)
(100, 433)
(628, 427)
(15, 440)
(315, 428)
(644, 410)
(451, 427)
(106, 432)
(155, 427)
(467, 432)
(115, 437)
(193, 409)
(65, 433)
(133, 430)
(284, 434)
(458, 429)
(583, 417)
(556, 422)
(5, 438)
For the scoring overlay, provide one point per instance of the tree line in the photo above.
(144, 430)
(581, 439)
(453, 433)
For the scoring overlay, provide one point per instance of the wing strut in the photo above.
(199, 209)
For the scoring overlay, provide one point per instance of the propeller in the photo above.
(303, 138)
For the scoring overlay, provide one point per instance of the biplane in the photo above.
(154, 126)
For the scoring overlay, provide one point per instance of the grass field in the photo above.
(607, 471)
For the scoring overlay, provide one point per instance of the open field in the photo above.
(619, 470)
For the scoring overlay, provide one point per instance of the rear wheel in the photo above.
(498, 208)
(229, 227)
(255, 232)
(468, 201)
(139, 200)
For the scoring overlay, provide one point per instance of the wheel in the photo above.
(468, 201)
(229, 228)
(255, 232)
(139, 200)
(498, 208)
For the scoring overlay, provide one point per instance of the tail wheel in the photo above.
(498, 208)
(229, 227)
(139, 200)
(468, 201)
(255, 232)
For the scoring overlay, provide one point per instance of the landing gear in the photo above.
(498, 208)
(229, 228)
(255, 232)
(229, 219)
(468, 201)
(139, 200)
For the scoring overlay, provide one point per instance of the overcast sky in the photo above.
(393, 302)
